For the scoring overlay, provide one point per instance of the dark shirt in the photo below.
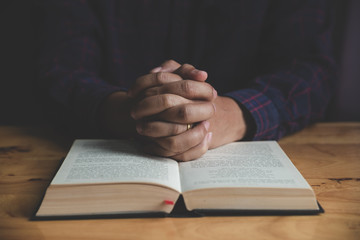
(273, 57)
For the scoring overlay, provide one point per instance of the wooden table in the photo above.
(327, 154)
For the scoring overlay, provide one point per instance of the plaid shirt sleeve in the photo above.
(71, 62)
(297, 71)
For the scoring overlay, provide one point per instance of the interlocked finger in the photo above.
(189, 89)
(187, 71)
(196, 151)
(188, 113)
(152, 80)
(156, 104)
(175, 145)
(157, 129)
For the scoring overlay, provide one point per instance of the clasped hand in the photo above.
(162, 104)
(166, 101)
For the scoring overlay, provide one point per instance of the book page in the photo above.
(109, 161)
(242, 164)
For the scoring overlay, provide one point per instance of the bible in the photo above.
(114, 177)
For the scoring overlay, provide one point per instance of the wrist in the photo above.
(249, 123)
(228, 124)
(114, 115)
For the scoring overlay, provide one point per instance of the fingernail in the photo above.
(209, 137)
(132, 114)
(139, 128)
(214, 93)
(195, 71)
(156, 70)
(214, 107)
(206, 125)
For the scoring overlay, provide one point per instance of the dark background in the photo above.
(20, 22)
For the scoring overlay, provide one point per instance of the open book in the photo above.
(101, 177)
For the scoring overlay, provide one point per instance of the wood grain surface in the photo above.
(327, 154)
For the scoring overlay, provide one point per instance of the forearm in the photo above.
(284, 102)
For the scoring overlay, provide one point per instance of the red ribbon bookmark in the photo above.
(168, 202)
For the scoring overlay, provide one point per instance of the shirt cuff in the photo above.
(263, 112)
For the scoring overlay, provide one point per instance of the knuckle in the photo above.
(165, 101)
(173, 144)
(170, 65)
(210, 89)
(177, 129)
(161, 77)
(199, 134)
(146, 128)
(181, 158)
(151, 92)
(213, 109)
(188, 88)
(185, 69)
(202, 133)
(209, 109)
(187, 65)
(184, 113)
(170, 62)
